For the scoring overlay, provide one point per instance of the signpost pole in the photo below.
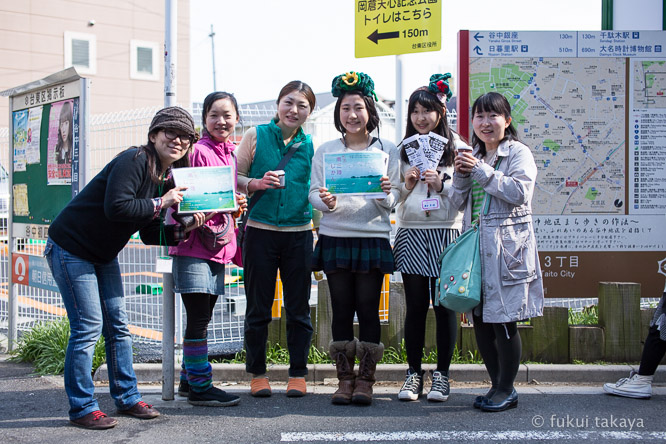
(399, 102)
(168, 297)
(12, 306)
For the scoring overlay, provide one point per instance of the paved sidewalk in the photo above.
(33, 409)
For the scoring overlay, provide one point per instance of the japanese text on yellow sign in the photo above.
(391, 27)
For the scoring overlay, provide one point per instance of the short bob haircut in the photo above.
(373, 120)
(493, 102)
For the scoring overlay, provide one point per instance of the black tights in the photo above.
(500, 348)
(355, 293)
(419, 292)
(199, 309)
(654, 350)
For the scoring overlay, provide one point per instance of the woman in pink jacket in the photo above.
(198, 272)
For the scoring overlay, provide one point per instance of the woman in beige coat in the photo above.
(503, 170)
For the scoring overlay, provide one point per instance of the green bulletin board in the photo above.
(44, 201)
(47, 130)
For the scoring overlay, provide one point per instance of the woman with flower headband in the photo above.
(423, 234)
(353, 248)
(278, 234)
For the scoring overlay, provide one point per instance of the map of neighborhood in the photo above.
(649, 84)
(571, 113)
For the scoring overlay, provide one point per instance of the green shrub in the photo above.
(45, 346)
(275, 354)
(589, 316)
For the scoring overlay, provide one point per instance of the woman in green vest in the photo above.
(278, 234)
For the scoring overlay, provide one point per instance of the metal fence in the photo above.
(109, 134)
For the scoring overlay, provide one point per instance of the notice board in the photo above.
(47, 139)
(591, 105)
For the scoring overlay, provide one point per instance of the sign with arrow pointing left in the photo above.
(397, 27)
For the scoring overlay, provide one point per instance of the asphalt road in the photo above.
(34, 410)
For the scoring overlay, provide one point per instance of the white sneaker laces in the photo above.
(440, 383)
(412, 383)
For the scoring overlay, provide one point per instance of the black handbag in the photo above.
(215, 237)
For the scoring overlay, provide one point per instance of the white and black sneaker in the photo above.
(635, 386)
(413, 386)
(439, 391)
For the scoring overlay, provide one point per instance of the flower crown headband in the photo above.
(353, 81)
(439, 86)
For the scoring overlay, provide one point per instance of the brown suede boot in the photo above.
(343, 354)
(369, 354)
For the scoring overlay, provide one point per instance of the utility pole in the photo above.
(168, 296)
(212, 43)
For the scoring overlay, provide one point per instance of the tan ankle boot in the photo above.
(369, 354)
(343, 354)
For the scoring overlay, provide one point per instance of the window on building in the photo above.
(144, 60)
(81, 52)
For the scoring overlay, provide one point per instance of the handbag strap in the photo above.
(259, 194)
(489, 196)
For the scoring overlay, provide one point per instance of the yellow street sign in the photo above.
(391, 27)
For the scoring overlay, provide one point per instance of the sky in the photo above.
(260, 45)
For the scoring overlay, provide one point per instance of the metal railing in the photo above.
(110, 134)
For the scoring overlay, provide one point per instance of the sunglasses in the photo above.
(172, 135)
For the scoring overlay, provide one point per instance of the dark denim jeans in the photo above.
(94, 299)
(264, 252)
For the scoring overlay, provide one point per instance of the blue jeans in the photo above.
(94, 299)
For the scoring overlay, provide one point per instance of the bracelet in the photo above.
(157, 202)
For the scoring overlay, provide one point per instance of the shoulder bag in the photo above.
(459, 282)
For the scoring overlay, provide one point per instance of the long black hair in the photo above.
(493, 102)
(431, 102)
(65, 116)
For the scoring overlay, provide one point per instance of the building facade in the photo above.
(119, 45)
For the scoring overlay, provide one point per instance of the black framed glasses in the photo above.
(172, 135)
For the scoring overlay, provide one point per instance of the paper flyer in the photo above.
(415, 153)
(20, 194)
(355, 173)
(20, 139)
(60, 143)
(34, 129)
(435, 150)
(208, 189)
(424, 151)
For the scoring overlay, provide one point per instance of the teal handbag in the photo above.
(459, 282)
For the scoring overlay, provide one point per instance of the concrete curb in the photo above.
(541, 373)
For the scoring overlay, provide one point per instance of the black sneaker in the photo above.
(213, 397)
(413, 386)
(440, 387)
(183, 388)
